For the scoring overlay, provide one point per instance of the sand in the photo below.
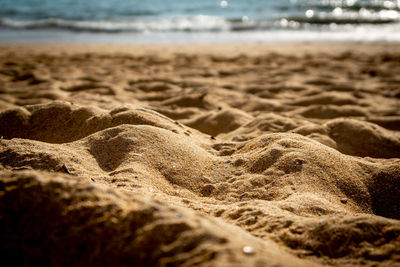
(209, 155)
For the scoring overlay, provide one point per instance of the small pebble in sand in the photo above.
(248, 250)
(65, 169)
(213, 138)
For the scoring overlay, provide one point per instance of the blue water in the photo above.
(209, 20)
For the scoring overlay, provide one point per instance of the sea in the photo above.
(201, 21)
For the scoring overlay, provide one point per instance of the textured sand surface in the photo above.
(223, 155)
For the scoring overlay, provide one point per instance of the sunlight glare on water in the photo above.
(233, 18)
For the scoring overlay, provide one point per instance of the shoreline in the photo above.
(278, 36)
(251, 49)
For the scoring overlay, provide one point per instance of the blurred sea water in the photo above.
(134, 21)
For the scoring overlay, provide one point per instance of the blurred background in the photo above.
(182, 21)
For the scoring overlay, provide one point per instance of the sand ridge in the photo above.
(193, 155)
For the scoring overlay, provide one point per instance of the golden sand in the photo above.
(210, 155)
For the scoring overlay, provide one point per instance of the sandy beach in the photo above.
(200, 155)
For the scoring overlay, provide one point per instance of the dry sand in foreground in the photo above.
(211, 155)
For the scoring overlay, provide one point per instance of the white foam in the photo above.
(388, 33)
(194, 23)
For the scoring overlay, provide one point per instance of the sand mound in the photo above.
(220, 122)
(364, 139)
(331, 112)
(328, 98)
(199, 157)
(71, 122)
(355, 137)
(127, 228)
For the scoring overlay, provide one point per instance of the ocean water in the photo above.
(153, 21)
